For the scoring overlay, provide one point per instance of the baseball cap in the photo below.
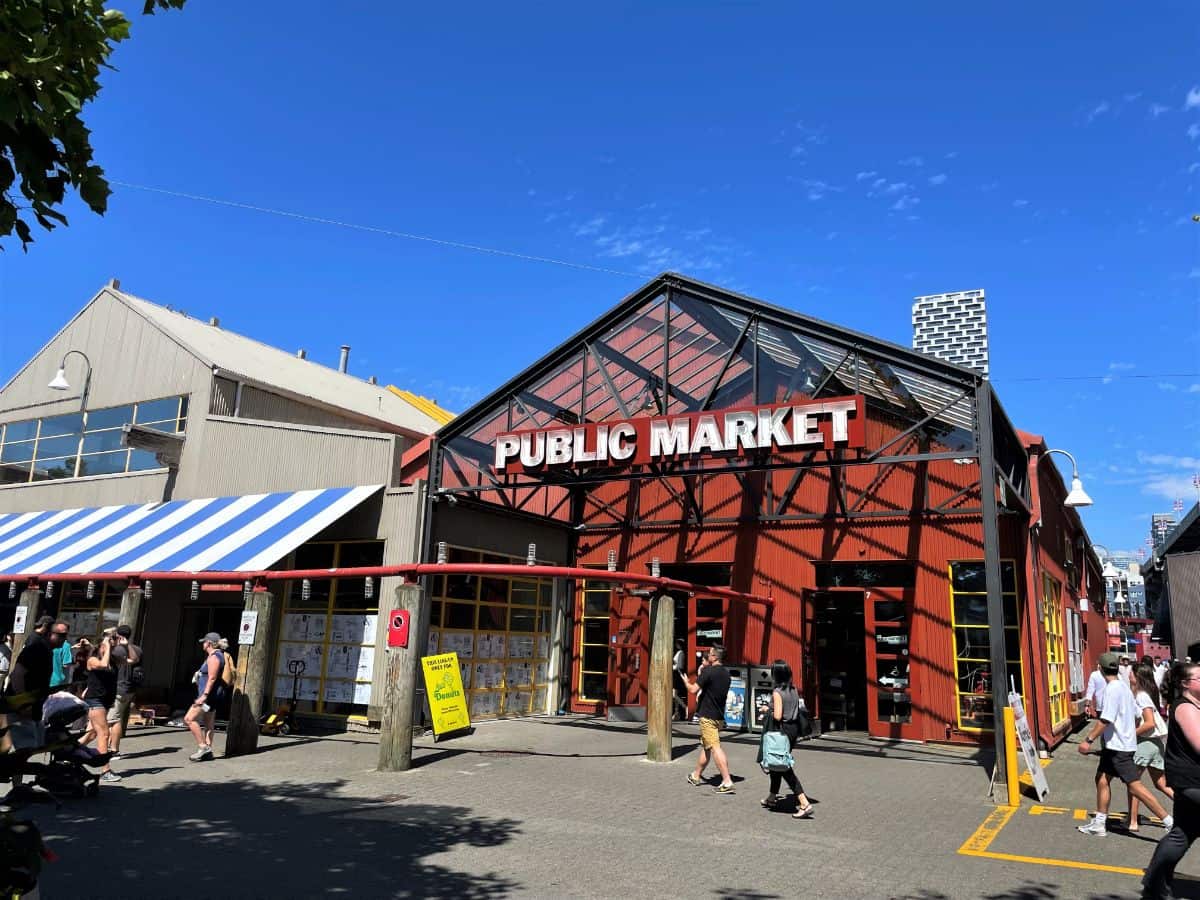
(124, 631)
(1109, 662)
(212, 637)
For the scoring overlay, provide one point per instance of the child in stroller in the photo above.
(58, 734)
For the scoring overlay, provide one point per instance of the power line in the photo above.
(1110, 377)
(371, 229)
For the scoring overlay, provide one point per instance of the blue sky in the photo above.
(835, 162)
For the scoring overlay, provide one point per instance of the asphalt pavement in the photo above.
(568, 807)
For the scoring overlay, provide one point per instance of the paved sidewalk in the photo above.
(567, 807)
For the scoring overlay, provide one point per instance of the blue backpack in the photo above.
(776, 752)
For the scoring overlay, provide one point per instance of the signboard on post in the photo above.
(19, 619)
(249, 627)
(1028, 747)
(447, 699)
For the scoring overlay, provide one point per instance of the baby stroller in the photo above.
(67, 772)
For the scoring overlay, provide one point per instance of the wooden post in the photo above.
(659, 699)
(131, 610)
(400, 683)
(250, 687)
(31, 599)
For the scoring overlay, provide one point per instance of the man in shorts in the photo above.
(126, 656)
(1118, 723)
(712, 683)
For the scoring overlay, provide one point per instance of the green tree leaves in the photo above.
(51, 53)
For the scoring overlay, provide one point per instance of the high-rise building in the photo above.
(1160, 526)
(952, 327)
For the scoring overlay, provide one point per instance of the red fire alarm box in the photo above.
(398, 629)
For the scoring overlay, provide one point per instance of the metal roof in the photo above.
(244, 358)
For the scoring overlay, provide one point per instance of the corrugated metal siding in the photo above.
(224, 397)
(139, 487)
(268, 407)
(131, 360)
(1183, 576)
(246, 457)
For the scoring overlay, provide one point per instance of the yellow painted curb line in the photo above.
(977, 845)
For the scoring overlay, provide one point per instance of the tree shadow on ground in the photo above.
(242, 839)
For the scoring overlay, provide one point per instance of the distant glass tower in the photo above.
(953, 327)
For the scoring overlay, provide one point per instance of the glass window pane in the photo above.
(709, 607)
(546, 592)
(491, 618)
(971, 643)
(20, 431)
(595, 687)
(99, 441)
(21, 451)
(103, 463)
(975, 711)
(366, 553)
(435, 615)
(60, 425)
(458, 615)
(113, 417)
(493, 590)
(595, 631)
(314, 556)
(462, 587)
(595, 603)
(318, 597)
(351, 593)
(543, 620)
(143, 461)
(183, 411)
(968, 576)
(14, 473)
(49, 469)
(522, 619)
(524, 593)
(1012, 644)
(595, 658)
(59, 446)
(158, 411)
(970, 609)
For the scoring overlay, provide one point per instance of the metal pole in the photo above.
(995, 591)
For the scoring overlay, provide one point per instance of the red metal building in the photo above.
(728, 442)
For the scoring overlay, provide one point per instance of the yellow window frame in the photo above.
(985, 660)
(587, 588)
(1056, 656)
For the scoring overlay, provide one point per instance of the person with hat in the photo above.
(210, 691)
(127, 657)
(1118, 723)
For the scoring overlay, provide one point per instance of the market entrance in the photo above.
(840, 655)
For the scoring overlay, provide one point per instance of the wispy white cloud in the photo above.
(1192, 100)
(1098, 110)
(1169, 460)
(1195, 273)
(590, 227)
(1193, 167)
(1193, 131)
(1157, 109)
(1132, 97)
(953, 154)
(912, 161)
(833, 234)
(1020, 203)
(1121, 366)
(864, 176)
(908, 201)
(1170, 487)
(817, 189)
(1167, 386)
(937, 179)
(988, 186)
(1194, 389)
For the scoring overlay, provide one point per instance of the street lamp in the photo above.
(60, 383)
(1077, 496)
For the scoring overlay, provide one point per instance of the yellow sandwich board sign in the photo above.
(447, 699)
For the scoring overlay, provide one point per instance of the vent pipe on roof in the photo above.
(214, 322)
(344, 362)
(372, 380)
(301, 353)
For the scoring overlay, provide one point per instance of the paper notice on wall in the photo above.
(490, 645)
(518, 674)
(485, 703)
(310, 654)
(520, 647)
(339, 691)
(362, 693)
(543, 646)
(488, 675)
(308, 688)
(460, 642)
(304, 627)
(431, 648)
(342, 662)
(20, 618)
(348, 629)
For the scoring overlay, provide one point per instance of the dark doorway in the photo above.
(839, 638)
(195, 622)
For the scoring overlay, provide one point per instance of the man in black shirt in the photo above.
(127, 657)
(31, 671)
(712, 683)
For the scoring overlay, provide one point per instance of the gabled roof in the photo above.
(246, 359)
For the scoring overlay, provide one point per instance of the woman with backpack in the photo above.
(210, 691)
(784, 720)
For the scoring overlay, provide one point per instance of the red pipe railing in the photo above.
(409, 572)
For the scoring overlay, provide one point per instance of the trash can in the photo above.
(735, 701)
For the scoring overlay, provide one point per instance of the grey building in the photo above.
(161, 415)
(953, 327)
(1172, 580)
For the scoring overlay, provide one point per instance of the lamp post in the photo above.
(1077, 496)
(60, 383)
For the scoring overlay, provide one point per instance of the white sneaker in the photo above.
(1168, 822)
(1094, 828)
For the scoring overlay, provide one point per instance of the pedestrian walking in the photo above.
(785, 719)
(63, 660)
(6, 648)
(1095, 693)
(712, 684)
(1118, 725)
(127, 656)
(99, 697)
(678, 690)
(1151, 732)
(1183, 775)
(210, 691)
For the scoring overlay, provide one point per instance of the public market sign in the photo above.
(834, 423)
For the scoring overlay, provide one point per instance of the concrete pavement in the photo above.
(567, 807)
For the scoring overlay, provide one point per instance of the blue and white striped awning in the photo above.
(215, 534)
